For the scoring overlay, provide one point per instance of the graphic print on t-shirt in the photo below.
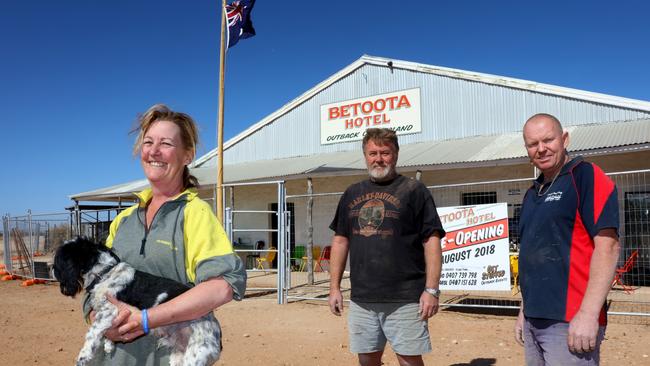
(372, 213)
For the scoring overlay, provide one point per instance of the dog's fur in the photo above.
(81, 264)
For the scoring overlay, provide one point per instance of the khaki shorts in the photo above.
(372, 324)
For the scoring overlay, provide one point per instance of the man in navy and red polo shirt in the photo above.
(569, 248)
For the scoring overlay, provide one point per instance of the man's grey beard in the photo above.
(381, 173)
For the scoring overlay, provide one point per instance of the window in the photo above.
(478, 198)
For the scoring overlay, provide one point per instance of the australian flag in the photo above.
(239, 21)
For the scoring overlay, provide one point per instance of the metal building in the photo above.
(458, 131)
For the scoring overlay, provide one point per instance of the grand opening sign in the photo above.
(475, 251)
(347, 120)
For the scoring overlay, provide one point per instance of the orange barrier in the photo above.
(3, 272)
(9, 277)
(32, 282)
(19, 257)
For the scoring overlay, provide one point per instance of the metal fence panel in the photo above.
(301, 273)
(628, 303)
(630, 295)
(265, 263)
(30, 240)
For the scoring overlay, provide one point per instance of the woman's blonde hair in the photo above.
(189, 134)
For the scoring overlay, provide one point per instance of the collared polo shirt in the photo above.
(556, 231)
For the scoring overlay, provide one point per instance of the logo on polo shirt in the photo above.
(555, 196)
(167, 243)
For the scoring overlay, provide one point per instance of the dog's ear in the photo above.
(67, 270)
(71, 261)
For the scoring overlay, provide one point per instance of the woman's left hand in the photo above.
(131, 328)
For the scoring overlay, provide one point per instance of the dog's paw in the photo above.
(109, 346)
(83, 361)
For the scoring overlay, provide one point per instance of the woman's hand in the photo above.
(112, 333)
(127, 325)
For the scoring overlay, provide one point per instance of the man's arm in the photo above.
(433, 265)
(519, 325)
(583, 328)
(338, 258)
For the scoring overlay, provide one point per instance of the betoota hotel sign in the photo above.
(347, 120)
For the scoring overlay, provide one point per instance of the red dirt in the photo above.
(42, 327)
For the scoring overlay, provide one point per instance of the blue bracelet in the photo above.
(145, 321)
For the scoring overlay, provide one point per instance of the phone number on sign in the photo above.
(453, 278)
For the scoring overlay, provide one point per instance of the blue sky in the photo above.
(74, 74)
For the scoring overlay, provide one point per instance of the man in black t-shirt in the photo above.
(391, 229)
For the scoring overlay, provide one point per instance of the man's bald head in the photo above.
(539, 117)
(546, 143)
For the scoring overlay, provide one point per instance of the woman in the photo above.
(171, 233)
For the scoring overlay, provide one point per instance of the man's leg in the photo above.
(410, 360)
(533, 353)
(406, 333)
(366, 337)
(370, 359)
(551, 336)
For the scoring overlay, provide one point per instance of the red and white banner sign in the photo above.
(347, 120)
(475, 251)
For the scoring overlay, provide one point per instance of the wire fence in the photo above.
(287, 230)
(29, 241)
(628, 301)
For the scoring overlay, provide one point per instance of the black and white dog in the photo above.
(81, 264)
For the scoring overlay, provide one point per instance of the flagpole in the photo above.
(222, 68)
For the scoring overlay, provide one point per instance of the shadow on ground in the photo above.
(478, 362)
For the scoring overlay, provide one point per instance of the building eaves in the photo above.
(124, 190)
(465, 152)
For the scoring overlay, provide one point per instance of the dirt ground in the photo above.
(42, 327)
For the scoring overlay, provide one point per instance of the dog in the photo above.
(81, 264)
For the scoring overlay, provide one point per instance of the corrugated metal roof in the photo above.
(469, 151)
(265, 169)
(481, 104)
(583, 138)
(609, 134)
(113, 192)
